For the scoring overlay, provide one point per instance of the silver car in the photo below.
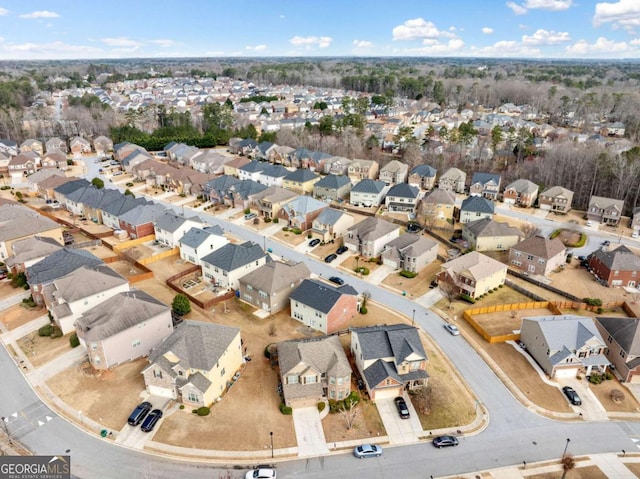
(367, 450)
(452, 329)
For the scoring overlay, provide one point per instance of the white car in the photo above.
(634, 234)
(261, 472)
(452, 329)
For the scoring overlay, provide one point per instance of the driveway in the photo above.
(591, 408)
(400, 431)
(309, 432)
(379, 274)
(134, 436)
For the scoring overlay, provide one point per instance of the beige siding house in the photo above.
(370, 235)
(489, 235)
(473, 274)
(538, 255)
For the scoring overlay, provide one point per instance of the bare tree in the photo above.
(568, 464)
(449, 291)
(529, 230)
(349, 411)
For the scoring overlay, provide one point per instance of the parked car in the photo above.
(452, 329)
(402, 408)
(360, 382)
(433, 284)
(151, 420)
(261, 472)
(413, 227)
(336, 280)
(3, 274)
(139, 413)
(582, 258)
(589, 223)
(606, 243)
(342, 249)
(250, 216)
(445, 441)
(314, 242)
(572, 395)
(634, 234)
(367, 450)
(330, 258)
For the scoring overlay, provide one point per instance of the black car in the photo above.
(336, 280)
(330, 258)
(413, 227)
(139, 413)
(360, 382)
(342, 249)
(401, 405)
(151, 420)
(314, 242)
(572, 395)
(606, 243)
(445, 441)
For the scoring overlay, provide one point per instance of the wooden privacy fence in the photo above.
(159, 256)
(203, 304)
(131, 243)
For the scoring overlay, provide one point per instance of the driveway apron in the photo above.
(309, 432)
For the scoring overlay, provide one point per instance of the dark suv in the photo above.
(139, 413)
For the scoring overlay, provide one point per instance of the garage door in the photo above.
(566, 372)
(388, 393)
(159, 391)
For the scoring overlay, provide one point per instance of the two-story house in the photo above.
(170, 227)
(486, 185)
(332, 187)
(489, 235)
(394, 173)
(474, 208)
(453, 180)
(402, 197)
(368, 193)
(28, 251)
(331, 224)
(301, 211)
(369, 236)
(556, 199)
(473, 274)
(300, 181)
(622, 339)
(410, 252)
(437, 205)
(196, 243)
(226, 265)
(18, 222)
(363, 170)
(423, 176)
(538, 255)
(607, 211)
(271, 200)
(521, 192)
(139, 221)
(617, 267)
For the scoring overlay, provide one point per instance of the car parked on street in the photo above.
(330, 258)
(261, 472)
(572, 395)
(445, 441)
(337, 280)
(150, 421)
(402, 408)
(139, 413)
(452, 329)
(314, 242)
(367, 450)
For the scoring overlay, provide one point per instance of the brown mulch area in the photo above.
(290, 238)
(587, 472)
(366, 424)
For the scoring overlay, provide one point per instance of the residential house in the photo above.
(32, 144)
(337, 165)
(423, 176)
(55, 144)
(28, 251)
(251, 170)
(68, 296)
(607, 211)
(473, 274)
(112, 211)
(269, 287)
(368, 193)
(402, 197)
(271, 200)
(272, 175)
(231, 168)
(138, 221)
(564, 345)
(241, 194)
(474, 208)
(623, 345)
(410, 252)
(21, 166)
(300, 181)
(363, 170)
(390, 359)
(209, 161)
(616, 267)
(8, 147)
(301, 211)
(219, 189)
(170, 227)
(60, 192)
(438, 205)
(488, 235)
(242, 147)
(18, 222)
(332, 187)
(54, 159)
(55, 266)
(556, 199)
(635, 219)
(521, 192)
(124, 149)
(103, 146)
(369, 236)
(331, 224)
(486, 185)
(134, 158)
(313, 370)
(225, 266)
(79, 146)
(124, 327)
(394, 173)
(45, 188)
(199, 242)
(538, 255)
(453, 180)
(34, 180)
(323, 307)
(196, 364)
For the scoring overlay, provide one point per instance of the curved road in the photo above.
(514, 433)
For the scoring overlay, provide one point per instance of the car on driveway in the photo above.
(314, 242)
(342, 249)
(402, 408)
(367, 450)
(572, 395)
(139, 413)
(413, 227)
(250, 216)
(452, 329)
(150, 421)
(261, 472)
(445, 441)
(336, 280)
(330, 258)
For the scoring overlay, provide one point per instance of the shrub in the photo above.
(203, 411)
(600, 310)
(5, 187)
(296, 231)
(194, 411)
(129, 185)
(286, 410)
(364, 310)
(181, 406)
(29, 302)
(595, 378)
(74, 341)
(285, 228)
(362, 270)
(268, 220)
(467, 298)
(267, 352)
(569, 258)
(181, 304)
(247, 211)
(56, 333)
(501, 286)
(608, 376)
(334, 406)
(276, 220)
(309, 235)
(46, 330)
(321, 406)
(408, 274)
(592, 301)
(354, 397)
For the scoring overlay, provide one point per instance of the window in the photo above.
(136, 342)
(530, 257)
(222, 372)
(94, 346)
(332, 380)
(332, 394)
(157, 373)
(622, 354)
(311, 379)
(192, 397)
(340, 381)
(518, 253)
(292, 379)
(249, 287)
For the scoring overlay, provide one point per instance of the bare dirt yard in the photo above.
(414, 287)
(633, 467)
(20, 314)
(603, 393)
(287, 237)
(506, 322)
(42, 349)
(585, 472)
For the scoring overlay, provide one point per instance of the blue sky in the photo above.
(66, 29)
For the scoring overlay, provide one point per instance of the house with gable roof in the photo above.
(313, 370)
(363, 170)
(486, 185)
(124, 327)
(368, 193)
(438, 205)
(331, 224)
(138, 221)
(170, 227)
(197, 242)
(564, 345)
(300, 181)
(79, 146)
(55, 144)
(410, 252)
(54, 159)
(622, 339)
(556, 199)
(28, 251)
(394, 173)
(390, 359)
(475, 208)
(324, 307)
(18, 222)
(271, 200)
(487, 234)
(473, 274)
(301, 211)
(103, 146)
(402, 197)
(225, 266)
(521, 192)
(332, 187)
(538, 255)
(607, 211)
(423, 176)
(369, 236)
(616, 266)
(196, 364)
(337, 165)
(112, 211)
(453, 179)
(31, 144)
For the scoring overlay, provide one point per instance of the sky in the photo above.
(74, 29)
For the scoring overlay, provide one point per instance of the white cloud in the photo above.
(416, 28)
(435, 47)
(603, 47)
(40, 14)
(257, 48)
(517, 9)
(362, 44)
(322, 42)
(3, 12)
(546, 37)
(121, 42)
(55, 50)
(487, 30)
(624, 13)
(506, 48)
(551, 5)
(164, 43)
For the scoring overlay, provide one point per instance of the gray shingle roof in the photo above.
(143, 214)
(59, 264)
(18, 221)
(276, 276)
(477, 204)
(369, 186)
(440, 197)
(320, 296)
(171, 221)
(333, 182)
(541, 247)
(233, 256)
(620, 259)
(487, 227)
(404, 190)
(426, 171)
(625, 331)
(70, 186)
(194, 237)
(32, 248)
(301, 175)
(329, 216)
(485, 178)
(83, 282)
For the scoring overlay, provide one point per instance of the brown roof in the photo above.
(541, 247)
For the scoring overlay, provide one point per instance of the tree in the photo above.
(529, 230)
(325, 125)
(98, 183)
(128, 192)
(496, 137)
(349, 411)
(320, 105)
(181, 304)
(449, 291)
(568, 464)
